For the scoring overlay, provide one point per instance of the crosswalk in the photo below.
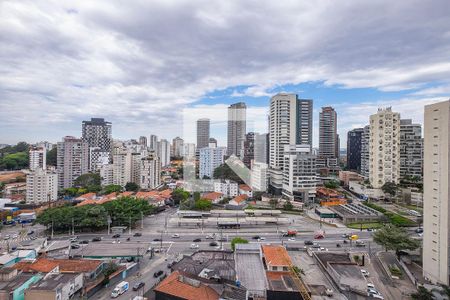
(19, 239)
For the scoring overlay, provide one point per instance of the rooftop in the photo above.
(42, 265)
(212, 196)
(249, 268)
(282, 281)
(276, 255)
(241, 198)
(52, 282)
(16, 282)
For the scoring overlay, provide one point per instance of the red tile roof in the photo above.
(190, 289)
(240, 198)
(86, 196)
(45, 265)
(125, 194)
(87, 202)
(276, 255)
(244, 187)
(212, 196)
(42, 265)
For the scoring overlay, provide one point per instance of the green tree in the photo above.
(71, 192)
(288, 205)
(132, 187)
(273, 203)
(196, 196)
(237, 240)
(90, 181)
(203, 204)
(445, 290)
(390, 188)
(112, 188)
(422, 294)
(224, 172)
(179, 195)
(51, 157)
(332, 184)
(395, 238)
(14, 161)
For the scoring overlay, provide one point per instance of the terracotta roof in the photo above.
(45, 265)
(174, 286)
(166, 193)
(87, 202)
(276, 255)
(86, 196)
(244, 187)
(125, 194)
(240, 198)
(145, 195)
(42, 265)
(212, 196)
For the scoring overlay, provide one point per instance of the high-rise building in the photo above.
(97, 158)
(236, 129)
(384, 147)
(121, 165)
(365, 158)
(436, 183)
(354, 138)
(153, 142)
(249, 149)
(290, 123)
(328, 138)
(150, 172)
(97, 133)
(135, 176)
(261, 153)
(42, 186)
(202, 133)
(164, 152)
(38, 158)
(178, 147)
(411, 149)
(107, 174)
(72, 160)
(189, 149)
(143, 141)
(212, 142)
(299, 174)
(259, 176)
(210, 158)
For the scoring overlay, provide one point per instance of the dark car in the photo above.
(213, 244)
(75, 246)
(138, 285)
(116, 236)
(256, 237)
(419, 230)
(309, 243)
(97, 239)
(84, 242)
(197, 240)
(158, 273)
(137, 234)
(30, 232)
(157, 240)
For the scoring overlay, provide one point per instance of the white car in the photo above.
(15, 236)
(194, 246)
(370, 286)
(376, 296)
(291, 239)
(262, 238)
(175, 236)
(209, 237)
(365, 273)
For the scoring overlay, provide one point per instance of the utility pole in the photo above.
(129, 229)
(73, 228)
(52, 230)
(142, 220)
(108, 220)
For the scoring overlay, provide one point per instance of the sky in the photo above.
(154, 67)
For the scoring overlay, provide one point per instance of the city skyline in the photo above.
(43, 101)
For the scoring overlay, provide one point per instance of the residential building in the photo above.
(212, 142)
(411, 149)
(143, 141)
(72, 160)
(328, 138)
(178, 147)
(203, 133)
(346, 176)
(37, 157)
(290, 123)
(245, 190)
(214, 197)
(436, 184)
(365, 157)
(237, 115)
(276, 257)
(121, 166)
(98, 158)
(299, 174)
(107, 174)
(164, 152)
(354, 139)
(153, 142)
(261, 148)
(135, 170)
(14, 287)
(150, 172)
(227, 187)
(42, 186)
(97, 133)
(384, 147)
(58, 286)
(189, 149)
(249, 149)
(259, 177)
(210, 159)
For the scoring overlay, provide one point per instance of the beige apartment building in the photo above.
(436, 193)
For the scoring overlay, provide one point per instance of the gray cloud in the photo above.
(137, 63)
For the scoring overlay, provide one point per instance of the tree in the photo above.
(89, 181)
(390, 188)
(112, 188)
(422, 294)
(237, 240)
(445, 290)
(14, 161)
(132, 187)
(203, 204)
(288, 205)
(179, 195)
(224, 172)
(332, 184)
(273, 203)
(51, 157)
(196, 196)
(395, 238)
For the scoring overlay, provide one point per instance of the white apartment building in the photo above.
(299, 174)
(227, 187)
(411, 149)
(107, 174)
(38, 158)
(97, 158)
(290, 123)
(178, 147)
(210, 159)
(72, 160)
(384, 147)
(42, 186)
(121, 166)
(189, 150)
(436, 212)
(150, 172)
(259, 177)
(164, 152)
(365, 157)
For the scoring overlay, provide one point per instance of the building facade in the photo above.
(210, 159)
(121, 166)
(436, 213)
(97, 133)
(42, 186)
(178, 147)
(249, 149)
(72, 160)
(153, 144)
(38, 158)
(384, 147)
(261, 152)
(354, 138)
(237, 114)
(143, 141)
(164, 152)
(411, 149)
(150, 172)
(328, 138)
(203, 133)
(365, 150)
(259, 177)
(227, 187)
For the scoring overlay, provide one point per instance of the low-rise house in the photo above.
(238, 202)
(276, 258)
(10, 259)
(227, 187)
(87, 196)
(14, 287)
(57, 286)
(245, 190)
(214, 197)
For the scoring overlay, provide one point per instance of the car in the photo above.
(309, 243)
(84, 242)
(291, 239)
(15, 236)
(149, 249)
(262, 239)
(158, 273)
(116, 236)
(372, 291)
(7, 237)
(209, 237)
(157, 240)
(97, 239)
(75, 246)
(213, 244)
(222, 239)
(420, 234)
(30, 232)
(346, 235)
(360, 244)
(376, 296)
(138, 285)
(194, 246)
(419, 230)
(175, 236)
(33, 237)
(156, 250)
(256, 237)
(73, 239)
(197, 240)
(365, 273)
(137, 234)
(315, 245)
(370, 286)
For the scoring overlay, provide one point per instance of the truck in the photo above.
(120, 289)
(320, 234)
(290, 233)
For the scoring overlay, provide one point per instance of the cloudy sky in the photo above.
(146, 65)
